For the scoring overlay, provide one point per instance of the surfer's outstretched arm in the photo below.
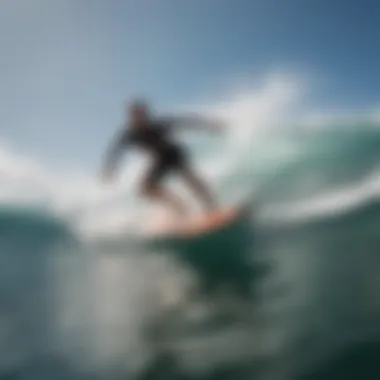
(113, 155)
(198, 122)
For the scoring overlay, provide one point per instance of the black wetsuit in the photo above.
(155, 139)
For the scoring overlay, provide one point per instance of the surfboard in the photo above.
(200, 225)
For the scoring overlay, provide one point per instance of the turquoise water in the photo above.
(291, 294)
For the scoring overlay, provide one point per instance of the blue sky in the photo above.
(67, 66)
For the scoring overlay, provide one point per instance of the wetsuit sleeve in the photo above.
(116, 148)
(186, 122)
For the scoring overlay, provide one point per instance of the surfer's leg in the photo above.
(159, 194)
(199, 187)
(152, 189)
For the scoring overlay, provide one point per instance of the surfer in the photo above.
(154, 137)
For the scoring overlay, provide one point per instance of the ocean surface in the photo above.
(290, 293)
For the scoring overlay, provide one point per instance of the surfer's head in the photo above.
(138, 111)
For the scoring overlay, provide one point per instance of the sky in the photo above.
(68, 66)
